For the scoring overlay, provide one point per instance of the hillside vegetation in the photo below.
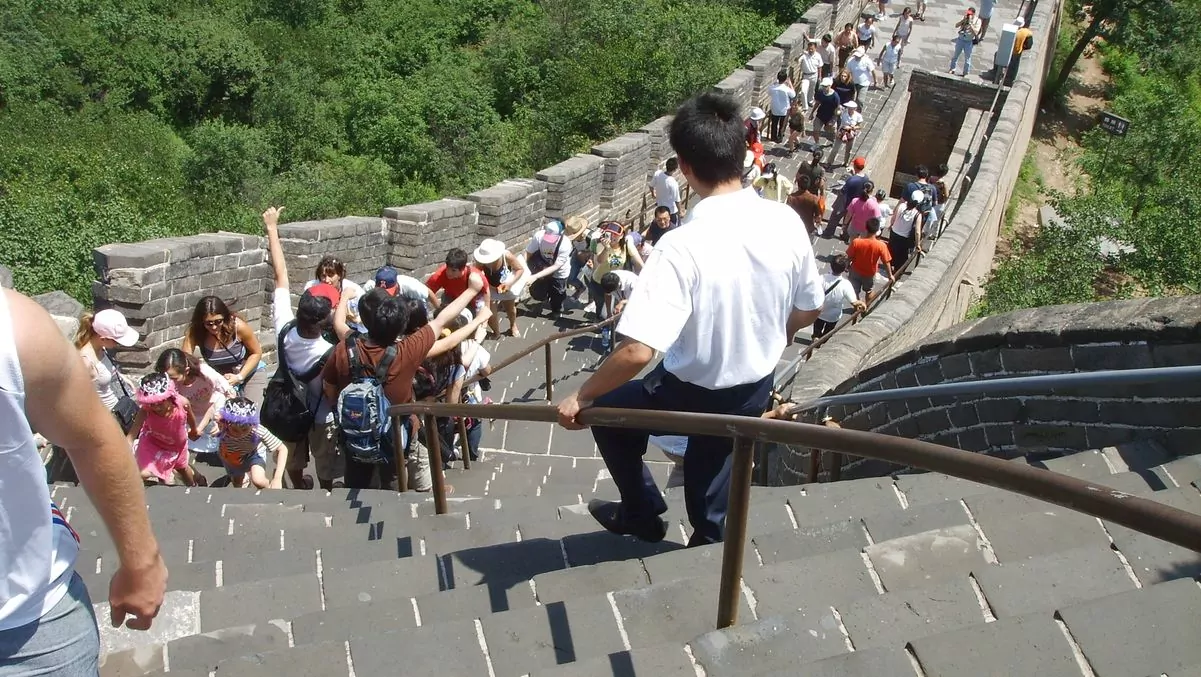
(1138, 192)
(122, 120)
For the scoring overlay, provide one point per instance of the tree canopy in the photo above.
(123, 120)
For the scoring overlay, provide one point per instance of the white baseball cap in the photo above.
(757, 114)
(917, 196)
(112, 325)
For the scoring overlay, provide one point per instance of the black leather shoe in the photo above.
(609, 515)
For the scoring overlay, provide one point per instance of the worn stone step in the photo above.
(773, 643)
(672, 612)
(1180, 472)
(1147, 631)
(524, 640)
(925, 559)
(1137, 455)
(1086, 465)
(1153, 560)
(874, 662)
(661, 661)
(327, 659)
(1026, 645)
(826, 503)
(895, 618)
(821, 580)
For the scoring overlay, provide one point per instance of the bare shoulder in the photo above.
(41, 348)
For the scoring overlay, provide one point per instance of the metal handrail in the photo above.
(1025, 385)
(1142, 515)
(545, 345)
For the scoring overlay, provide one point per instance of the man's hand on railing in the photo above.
(569, 409)
(782, 412)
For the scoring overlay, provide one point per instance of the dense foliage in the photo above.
(1139, 200)
(122, 120)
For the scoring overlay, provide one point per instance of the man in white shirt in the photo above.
(863, 71)
(721, 298)
(781, 93)
(47, 622)
(840, 295)
(666, 190)
(810, 63)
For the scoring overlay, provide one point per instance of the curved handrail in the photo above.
(557, 336)
(1145, 516)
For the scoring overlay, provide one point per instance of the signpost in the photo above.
(1116, 126)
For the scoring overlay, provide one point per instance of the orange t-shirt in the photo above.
(866, 253)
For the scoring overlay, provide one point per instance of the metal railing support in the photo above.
(464, 445)
(398, 453)
(434, 445)
(734, 538)
(550, 376)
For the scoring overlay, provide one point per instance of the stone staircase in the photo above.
(915, 575)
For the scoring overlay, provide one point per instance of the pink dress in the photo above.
(163, 442)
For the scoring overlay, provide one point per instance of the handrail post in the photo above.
(434, 445)
(735, 532)
(398, 453)
(464, 445)
(549, 376)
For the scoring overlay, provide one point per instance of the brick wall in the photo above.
(627, 161)
(740, 85)
(764, 66)
(420, 235)
(792, 43)
(819, 19)
(510, 210)
(1140, 333)
(574, 187)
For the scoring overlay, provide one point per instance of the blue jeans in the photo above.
(573, 277)
(963, 47)
(706, 462)
(63, 643)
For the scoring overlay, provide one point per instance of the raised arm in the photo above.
(341, 326)
(278, 264)
(452, 309)
(446, 343)
(63, 406)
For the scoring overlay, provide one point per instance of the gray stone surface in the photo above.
(1153, 560)
(207, 650)
(770, 643)
(1148, 631)
(595, 579)
(327, 659)
(476, 601)
(1052, 581)
(825, 503)
(915, 520)
(929, 487)
(1028, 645)
(780, 546)
(788, 587)
(560, 632)
(410, 652)
(665, 661)
(895, 618)
(260, 601)
(874, 662)
(927, 558)
(1038, 533)
(703, 560)
(1089, 465)
(671, 612)
(357, 620)
(378, 581)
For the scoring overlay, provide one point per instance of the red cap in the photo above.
(325, 290)
(859, 163)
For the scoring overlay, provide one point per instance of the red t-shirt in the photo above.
(866, 253)
(440, 281)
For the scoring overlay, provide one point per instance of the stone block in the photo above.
(1037, 360)
(501, 564)
(810, 540)
(1052, 581)
(1153, 560)
(875, 662)
(595, 579)
(701, 561)
(895, 618)
(260, 601)
(826, 503)
(927, 558)
(204, 652)
(142, 255)
(917, 519)
(773, 643)
(476, 601)
(1016, 537)
(360, 620)
(524, 640)
(384, 580)
(1148, 631)
(1088, 465)
(1029, 645)
(409, 652)
(786, 588)
(1044, 436)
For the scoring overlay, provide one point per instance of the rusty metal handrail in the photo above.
(545, 344)
(1142, 515)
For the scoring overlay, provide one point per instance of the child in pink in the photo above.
(163, 426)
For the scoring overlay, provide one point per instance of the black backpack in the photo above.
(285, 409)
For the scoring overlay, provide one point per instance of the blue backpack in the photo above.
(362, 411)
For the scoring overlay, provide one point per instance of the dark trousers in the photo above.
(776, 127)
(361, 475)
(707, 462)
(821, 328)
(900, 247)
(448, 428)
(552, 290)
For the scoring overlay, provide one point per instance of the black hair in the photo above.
(708, 134)
(671, 165)
(943, 169)
(212, 305)
(610, 282)
(848, 26)
(330, 265)
(923, 172)
(456, 259)
(873, 226)
(782, 76)
(803, 181)
(868, 189)
(818, 155)
(880, 196)
(418, 317)
(313, 313)
(661, 210)
(174, 359)
(384, 315)
(838, 264)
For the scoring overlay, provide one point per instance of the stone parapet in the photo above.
(359, 242)
(573, 187)
(510, 210)
(627, 160)
(740, 86)
(792, 43)
(765, 65)
(420, 235)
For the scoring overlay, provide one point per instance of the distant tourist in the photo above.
(986, 9)
(966, 31)
(852, 187)
(846, 42)
(806, 203)
(866, 32)
(660, 225)
(613, 251)
(829, 55)
(666, 190)
(227, 343)
(781, 94)
(456, 276)
(1022, 41)
(890, 56)
(773, 185)
(811, 64)
(97, 334)
(905, 230)
(839, 295)
(866, 255)
(720, 345)
(850, 122)
(863, 72)
(548, 258)
(332, 271)
(47, 621)
(844, 86)
(796, 126)
(507, 275)
(826, 103)
(904, 29)
(860, 209)
(753, 122)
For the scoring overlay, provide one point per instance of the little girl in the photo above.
(243, 443)
(163, 425)
(205, 390)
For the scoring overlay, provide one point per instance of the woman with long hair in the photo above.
(905, 232)
(227, 343)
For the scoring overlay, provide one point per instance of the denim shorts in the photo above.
(64, 642)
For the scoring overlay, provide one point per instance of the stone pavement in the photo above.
(933, 41)
(914, 575)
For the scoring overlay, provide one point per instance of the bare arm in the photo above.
(446, 343)
(341, 327)
(278, 264)
(254, 351)
(624, 364)
(635, 257)
(799, 319)
(193, 431)
(62, 405)
(452, 309)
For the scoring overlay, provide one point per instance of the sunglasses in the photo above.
(214, 323)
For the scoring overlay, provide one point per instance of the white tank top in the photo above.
(37, 546)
